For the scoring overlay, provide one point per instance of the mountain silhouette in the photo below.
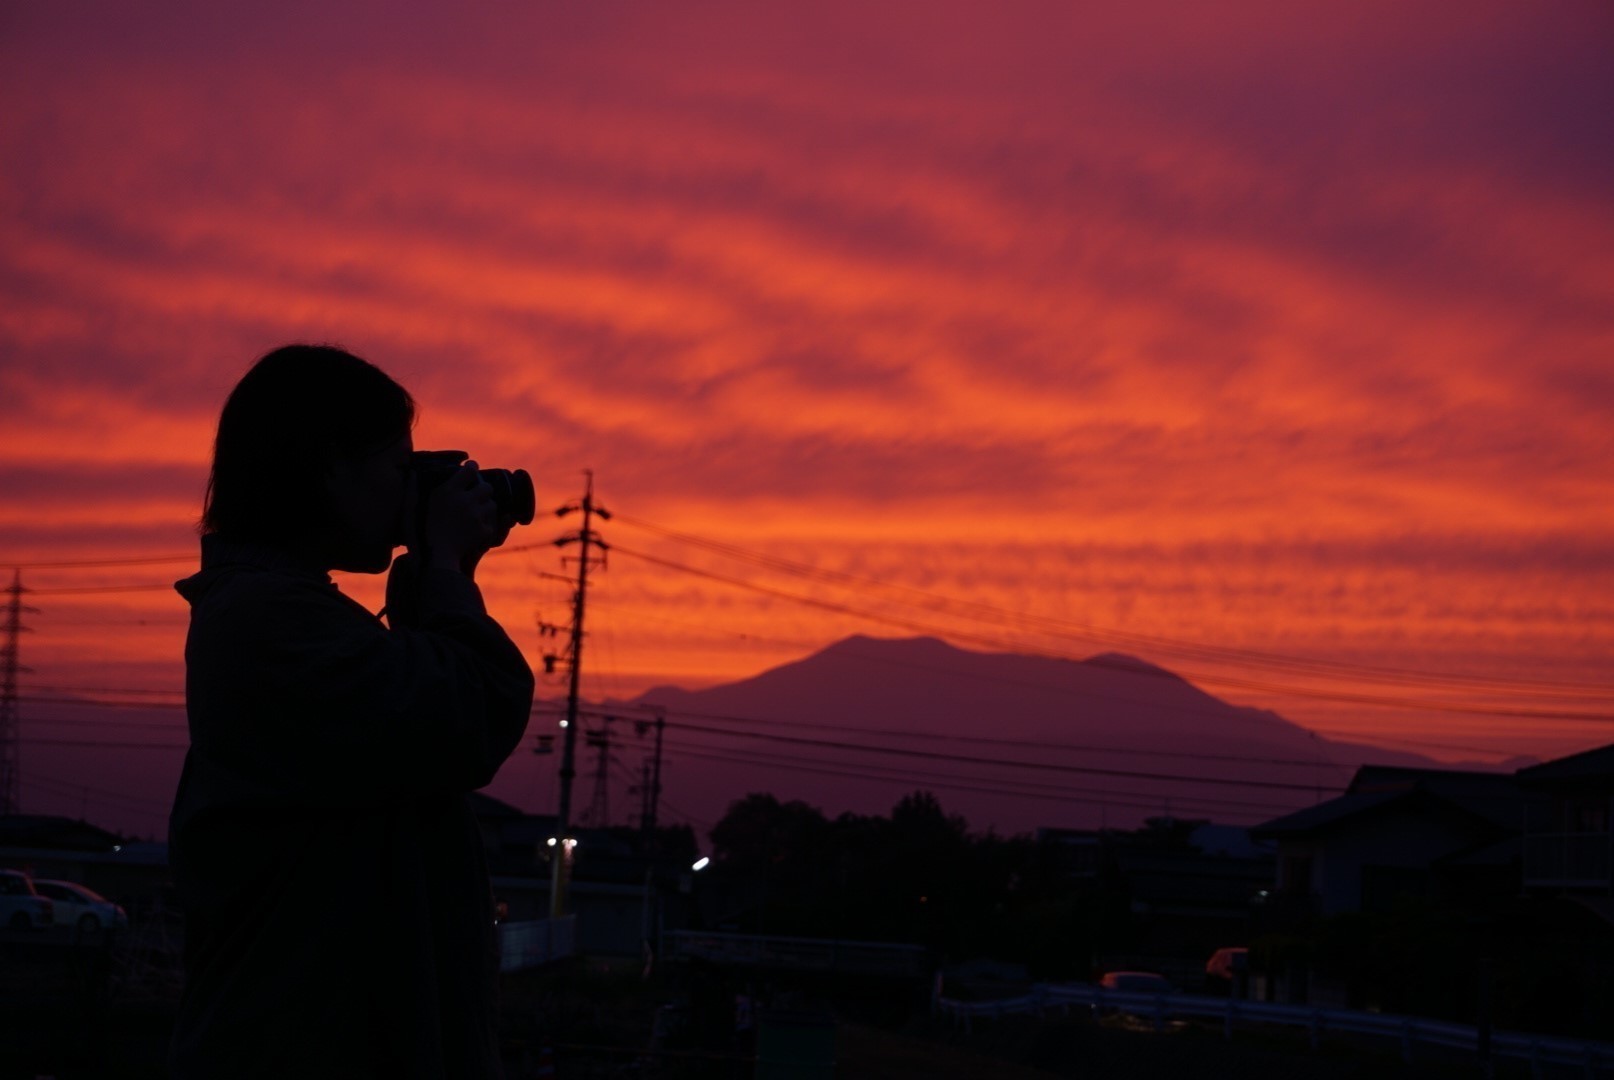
(1009, 741)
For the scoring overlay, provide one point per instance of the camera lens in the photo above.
(513, 492)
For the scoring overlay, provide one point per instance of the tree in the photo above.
(758, 830)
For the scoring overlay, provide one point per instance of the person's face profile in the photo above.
(368, 494)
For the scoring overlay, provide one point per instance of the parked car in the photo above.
(1131, 982)
(1137, 982)
(82, 907)
(1228, 963)
(21, 907)
(1228, 971)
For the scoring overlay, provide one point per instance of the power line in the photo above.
(108, 796)
(1035, 744)
(1040, 766)
(1058, 627)
(84, 564)
(193, 557)
(59, 721)
(980, 676)
(1110, 636)
(1213, 680)
(1463, 748)
(955, 785)
(540, 708)
(101, 744)
(100, 690)
(886, 772)
(102, 703)
(981, 611)
(1046, 766)
(86, 590)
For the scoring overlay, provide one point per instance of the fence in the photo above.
(524, 945)
(1408, 1030)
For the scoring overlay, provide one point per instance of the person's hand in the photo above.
(462, 520)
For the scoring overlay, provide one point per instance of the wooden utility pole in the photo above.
(563, 841)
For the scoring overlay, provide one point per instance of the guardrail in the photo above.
(801, 954)
(1408, 1030)
(524, 945)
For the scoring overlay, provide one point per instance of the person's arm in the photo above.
(307, 697)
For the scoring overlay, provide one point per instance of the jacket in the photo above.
(339, 918)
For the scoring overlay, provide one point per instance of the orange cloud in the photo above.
(1178, 326)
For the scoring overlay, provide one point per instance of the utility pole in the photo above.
(563, 841)
(642, 789)
(599, 811)
(655, 784)
(650, 799)
(10, 736)
(649, 787)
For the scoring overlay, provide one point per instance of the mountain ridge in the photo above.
(1007, 733)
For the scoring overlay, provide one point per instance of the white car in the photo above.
(21, 908)
(81, 907)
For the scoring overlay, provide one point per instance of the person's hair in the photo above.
(299, 409)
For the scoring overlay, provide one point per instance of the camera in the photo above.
(512, 488)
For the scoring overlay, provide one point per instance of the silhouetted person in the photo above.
(339, 921)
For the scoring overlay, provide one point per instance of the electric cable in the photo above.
(1011, 763)
(1110, 636)
(1207, 679)
(1131, 802)
(759, 756)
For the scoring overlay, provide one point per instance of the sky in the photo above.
(1273, 343)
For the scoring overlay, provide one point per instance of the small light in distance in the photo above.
(701, 863)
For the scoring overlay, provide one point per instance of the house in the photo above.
(1509, 873)
(1569, 834)
(131, 873)
(1399, 834)
(1182, 889)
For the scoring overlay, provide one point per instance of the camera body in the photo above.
(512, 488)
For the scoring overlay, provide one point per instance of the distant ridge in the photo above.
(1112, 738)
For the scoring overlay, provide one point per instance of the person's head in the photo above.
(313, 454)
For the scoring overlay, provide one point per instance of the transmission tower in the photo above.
(10, 736)
(585, 538)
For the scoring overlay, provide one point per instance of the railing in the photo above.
(524, 945)
(1408, 1030)
(1569, 860)
(801, 954)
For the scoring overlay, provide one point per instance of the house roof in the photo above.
(1232, 841)
(488, 808)
(1596, 764)
(44, 831)
(1189, 877)
(1492, 797)
(1324, 814)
